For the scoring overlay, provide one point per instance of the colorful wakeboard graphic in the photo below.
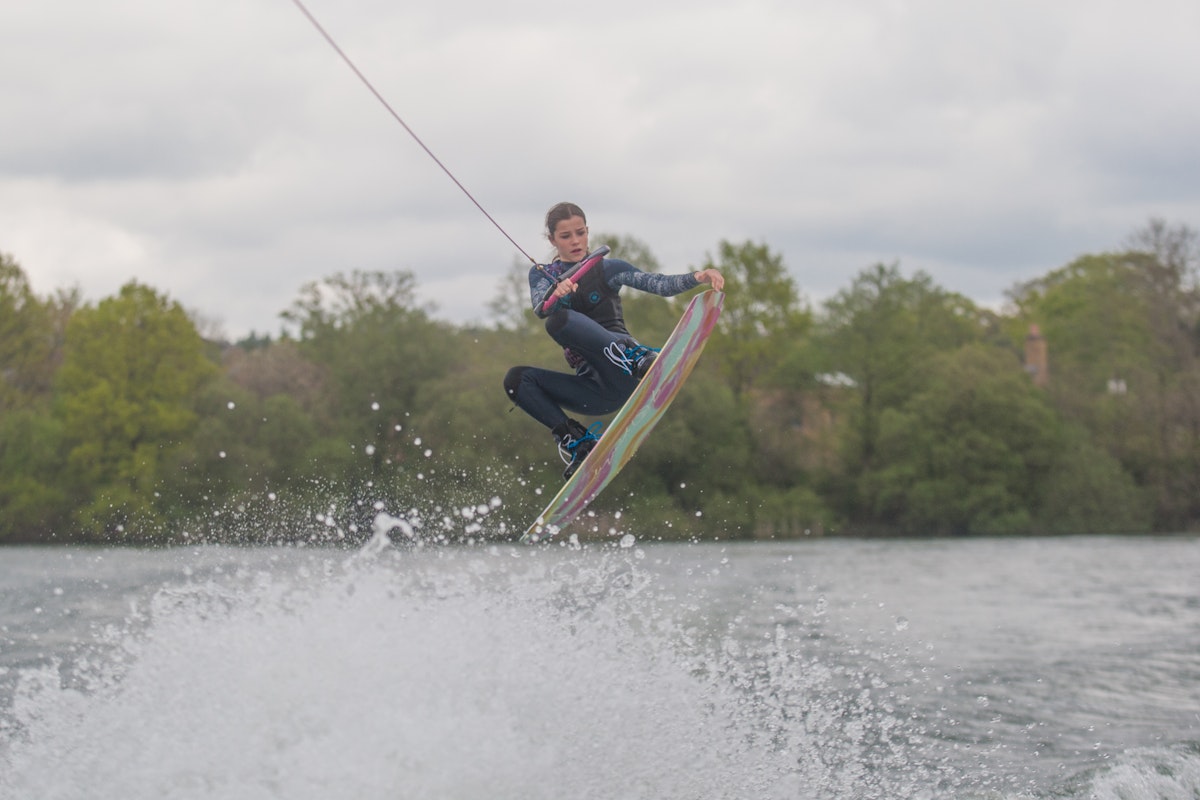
(636, 419)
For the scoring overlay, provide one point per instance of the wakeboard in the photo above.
(635, 420)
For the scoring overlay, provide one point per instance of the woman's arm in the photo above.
(625, 274)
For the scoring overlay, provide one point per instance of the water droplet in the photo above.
(901, 623)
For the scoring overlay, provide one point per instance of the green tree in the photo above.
(648, 317)
(27, 340)
(763, 312)
(510, 307)
(1123, 331)
(1097, 318)
(32, 491)
(378, 348)
(1176, 254)
(881, 333)
(132, 369)
(1088, 491)
(967, 453)
(32, 497)
(242, 442)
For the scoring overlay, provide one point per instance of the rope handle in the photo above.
(576, 273)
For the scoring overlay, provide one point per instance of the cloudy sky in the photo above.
(222, 153)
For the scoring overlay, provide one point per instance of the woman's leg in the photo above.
(602, 349)
(544, 393)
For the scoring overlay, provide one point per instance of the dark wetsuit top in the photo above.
(598, 295)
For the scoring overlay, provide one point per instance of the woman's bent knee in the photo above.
(512, 381)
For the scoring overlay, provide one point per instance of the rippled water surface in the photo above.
(1015, 668)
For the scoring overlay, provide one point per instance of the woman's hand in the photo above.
(711, 277)
(564, 288)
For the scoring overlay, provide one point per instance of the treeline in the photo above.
(895, 408)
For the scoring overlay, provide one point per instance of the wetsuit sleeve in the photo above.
(539, 285)
(620, 273)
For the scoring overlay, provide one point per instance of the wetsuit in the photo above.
(585, 323)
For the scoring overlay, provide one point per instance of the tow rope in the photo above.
(404, 125)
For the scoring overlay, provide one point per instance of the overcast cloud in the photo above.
(222, 153)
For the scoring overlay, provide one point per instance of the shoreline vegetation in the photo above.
(894, 408)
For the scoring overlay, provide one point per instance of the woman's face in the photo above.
(570, 239)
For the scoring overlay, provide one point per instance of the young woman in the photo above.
(586, 320)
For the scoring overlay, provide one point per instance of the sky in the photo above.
(223, 153)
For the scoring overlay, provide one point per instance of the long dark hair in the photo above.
(560, 212)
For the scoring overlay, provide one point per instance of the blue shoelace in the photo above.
(592, 434)
(627, 358)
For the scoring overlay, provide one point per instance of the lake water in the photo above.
(1002, 668)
